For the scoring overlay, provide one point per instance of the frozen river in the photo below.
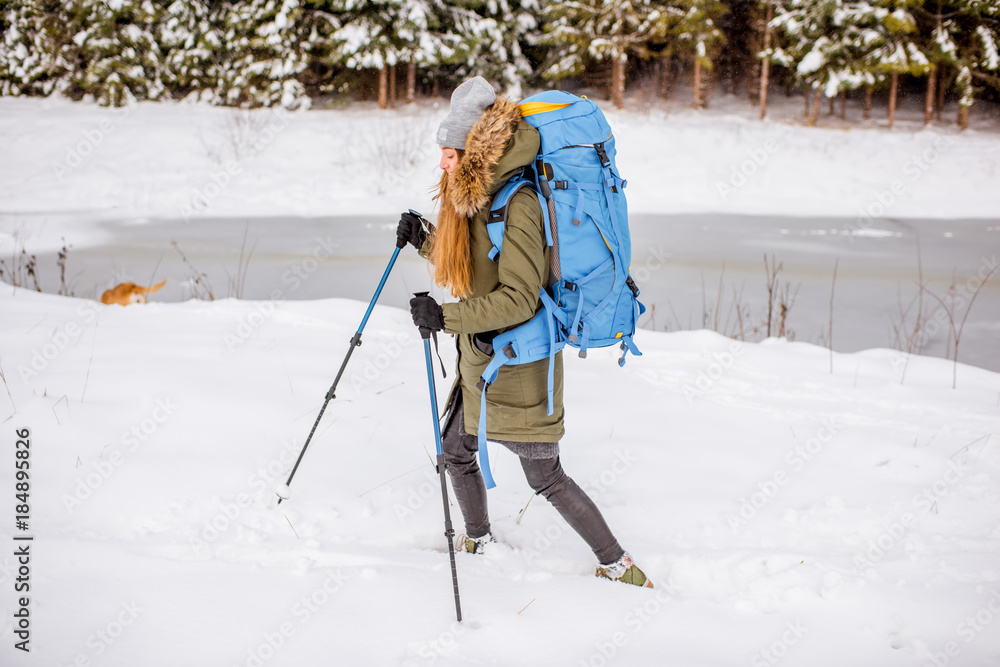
(679, 262)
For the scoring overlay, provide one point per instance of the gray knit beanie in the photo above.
(467, 104)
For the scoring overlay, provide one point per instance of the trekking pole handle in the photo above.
(425, 333)
(401, 243)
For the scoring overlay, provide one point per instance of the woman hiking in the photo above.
(484, 141)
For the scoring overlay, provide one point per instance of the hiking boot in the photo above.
(625, 571)
(473, 545)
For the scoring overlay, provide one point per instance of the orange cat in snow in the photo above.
(127, 293)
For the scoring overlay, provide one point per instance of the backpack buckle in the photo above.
(544, 170)
(603, 155)
(632, 286)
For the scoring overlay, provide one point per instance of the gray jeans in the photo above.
(545, 476)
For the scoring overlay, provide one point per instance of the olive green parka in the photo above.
(505, 293)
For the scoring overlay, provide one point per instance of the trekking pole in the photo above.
(284, 491)
(449, 531)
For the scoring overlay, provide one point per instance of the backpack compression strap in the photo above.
(496, 222)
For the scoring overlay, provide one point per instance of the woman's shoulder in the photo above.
(524, 206)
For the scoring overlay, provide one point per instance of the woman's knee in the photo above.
(545, 476)
(459, 447)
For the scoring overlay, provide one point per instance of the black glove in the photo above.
(426, 313)
(410, 230)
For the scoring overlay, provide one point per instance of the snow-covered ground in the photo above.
(182, 161)
(788, 515)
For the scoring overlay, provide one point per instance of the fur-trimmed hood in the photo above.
(499, 143)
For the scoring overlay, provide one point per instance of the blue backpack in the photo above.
(592, 299)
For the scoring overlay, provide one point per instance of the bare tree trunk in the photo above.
(392, 86)
(698, 102)
(411, 82)
(667, 62)
(765, 66)
(963, 116)
(815, 109)
(893, 87)
(435, 87)
(866, 111)
(843, 105)
(752, 72)
(707, 85)
(383, 87)
(832, 112)
(765, 75)
(808, 96)
(940, 92)
(618, 81)
(929, 99)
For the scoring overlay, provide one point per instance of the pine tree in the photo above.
(493, 37)
(119, 50)
(604, 30)
(765, 56)
(977, 33)
(380, 34)
(898, 50)
(37, 51)
(190, 35)
(697, 34)
(804, 46)
(829, 46)
(263, 52)
(427, 38)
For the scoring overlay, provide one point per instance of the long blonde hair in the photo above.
(451, 251)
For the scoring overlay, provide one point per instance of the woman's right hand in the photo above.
(410, 230)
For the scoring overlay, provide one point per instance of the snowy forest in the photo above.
(251, 53)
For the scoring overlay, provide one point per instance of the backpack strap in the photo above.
(496, 222)
(531, 341)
